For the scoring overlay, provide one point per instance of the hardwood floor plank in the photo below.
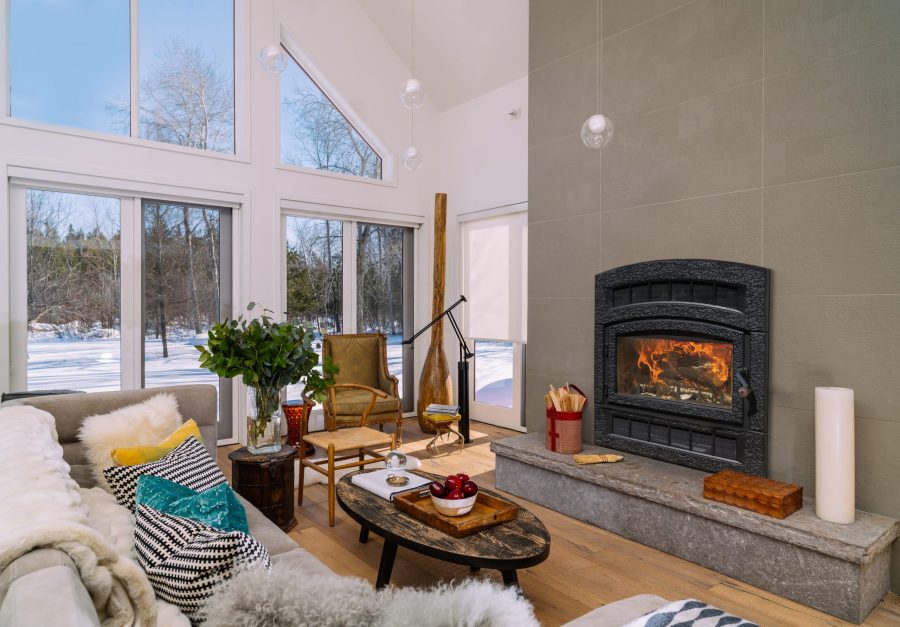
(587, 567)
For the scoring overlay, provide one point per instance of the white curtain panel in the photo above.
(495, 277)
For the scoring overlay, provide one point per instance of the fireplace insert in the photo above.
(681, 362)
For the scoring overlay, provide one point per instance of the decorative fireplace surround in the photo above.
(681, 362)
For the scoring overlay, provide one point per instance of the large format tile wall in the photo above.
(759, 131)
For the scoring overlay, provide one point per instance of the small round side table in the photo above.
(267, 481)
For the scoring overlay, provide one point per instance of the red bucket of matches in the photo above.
(564, 427)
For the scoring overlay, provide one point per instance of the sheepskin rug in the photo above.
(288, 597)
(141, 424)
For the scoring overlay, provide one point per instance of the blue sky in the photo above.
(70, 58)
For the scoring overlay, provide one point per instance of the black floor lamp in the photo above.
(462, 379)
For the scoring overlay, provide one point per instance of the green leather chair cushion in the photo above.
(358, 358)
(350, 402)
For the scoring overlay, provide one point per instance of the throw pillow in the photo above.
(188, 464)
(217, 507)
(186, 560)
(133, 455)
(142, 423)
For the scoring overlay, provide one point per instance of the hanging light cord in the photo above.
(412, 48)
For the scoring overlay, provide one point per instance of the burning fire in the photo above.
(659, 355)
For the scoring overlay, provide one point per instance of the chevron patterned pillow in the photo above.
(186, 560)
(189, 464)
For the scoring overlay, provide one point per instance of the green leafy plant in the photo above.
(268, 356)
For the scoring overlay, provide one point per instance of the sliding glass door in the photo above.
(74, 275)
(345, 276)
(116, 292)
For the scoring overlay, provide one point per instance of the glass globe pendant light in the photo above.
(273, 59)
(412, 158)
(412, 95)
(597, 131)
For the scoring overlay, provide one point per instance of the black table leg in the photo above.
(388, 553)
(510, 578)
(363, 534)
(474, 569)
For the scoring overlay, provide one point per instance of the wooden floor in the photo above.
(588, 567)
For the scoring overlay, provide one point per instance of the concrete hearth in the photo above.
(839, 569)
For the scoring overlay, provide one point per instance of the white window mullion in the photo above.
(5, 84)
(349, 252)
(131, 294)
(18, 292)
(135, 72)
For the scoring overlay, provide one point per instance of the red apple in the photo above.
(437, 489)
(452, 483)
(463, 477)
(454, 495)
(469, 488)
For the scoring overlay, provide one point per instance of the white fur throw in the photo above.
(141, 424)
(288, 597)
(43, 508)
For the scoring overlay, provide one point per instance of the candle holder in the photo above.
(296, 415)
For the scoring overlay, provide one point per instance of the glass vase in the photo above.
(263, 420)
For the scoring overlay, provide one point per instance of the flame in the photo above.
(656, 353)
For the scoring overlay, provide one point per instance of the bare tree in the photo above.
(188, 100)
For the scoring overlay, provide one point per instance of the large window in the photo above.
(71, 65)
(73, 259)
(117, 292)
(344, 276)
(315, 134)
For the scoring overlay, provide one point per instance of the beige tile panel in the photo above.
(696, 50)
(817, 126)
(792, 447)
(843, 341)
(834, 236)
(802, 32)
(563, 180)
(561, 96)
(617, 15)
(710, 145)
(563, 257)
(726, 226)
(557, 29)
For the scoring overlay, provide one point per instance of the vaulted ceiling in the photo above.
(463, 48)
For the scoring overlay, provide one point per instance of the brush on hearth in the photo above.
(603, 458)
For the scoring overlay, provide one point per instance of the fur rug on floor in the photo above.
(287, 597)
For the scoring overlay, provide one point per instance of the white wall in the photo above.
(484, 166)
(344, 47)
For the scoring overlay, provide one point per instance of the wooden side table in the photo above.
(267, 481)
(443, 425)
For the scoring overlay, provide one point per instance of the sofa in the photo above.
(58, 597)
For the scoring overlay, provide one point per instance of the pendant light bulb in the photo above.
(597, 131)
(273, 59)
(412, 158)
(412, 94)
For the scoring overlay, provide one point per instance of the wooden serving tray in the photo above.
(487, 512)
(758, 494)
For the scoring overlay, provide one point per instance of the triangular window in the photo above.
(315, 134)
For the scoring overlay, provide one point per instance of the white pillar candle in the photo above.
(835, 458)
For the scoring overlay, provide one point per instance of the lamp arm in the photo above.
(462, 299)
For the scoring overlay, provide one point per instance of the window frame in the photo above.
(242, 55)
(388, 168)
(130, 195)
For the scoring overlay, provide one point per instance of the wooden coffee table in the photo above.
(506, 547)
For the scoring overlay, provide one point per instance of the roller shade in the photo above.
(495, 275)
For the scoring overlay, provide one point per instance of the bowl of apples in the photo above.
(456, 496)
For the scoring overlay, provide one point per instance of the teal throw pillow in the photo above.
(217, 507)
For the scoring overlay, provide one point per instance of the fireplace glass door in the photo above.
(675, 369)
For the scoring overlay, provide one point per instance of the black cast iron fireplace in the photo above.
(681, 362)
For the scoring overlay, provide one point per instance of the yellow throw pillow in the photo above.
(133, 455)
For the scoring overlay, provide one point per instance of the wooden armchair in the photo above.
(364, 392)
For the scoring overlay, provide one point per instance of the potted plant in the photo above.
(268, 356)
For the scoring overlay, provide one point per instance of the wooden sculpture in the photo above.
(435, 385)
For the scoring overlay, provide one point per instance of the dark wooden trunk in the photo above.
(267, 481)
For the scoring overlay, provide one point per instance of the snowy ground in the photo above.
(93, 365)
